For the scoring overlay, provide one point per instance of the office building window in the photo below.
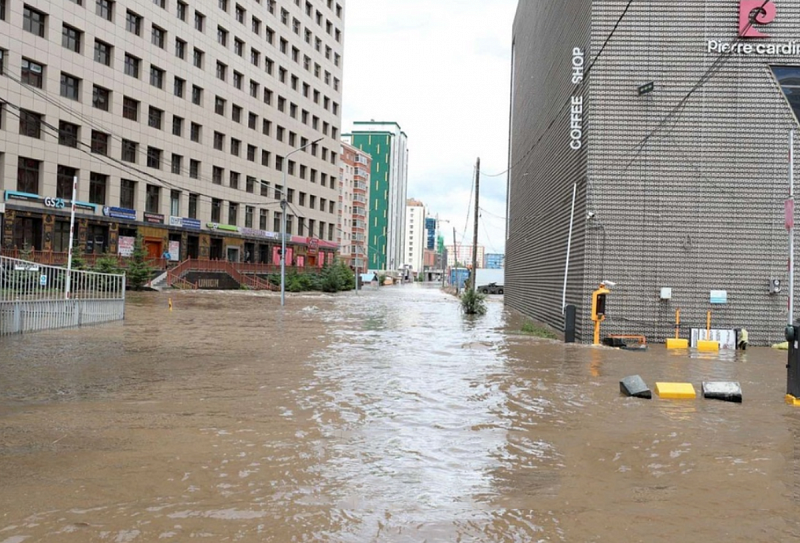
(193, 199)
(133, 22)
(197, 58)
(216, 210)
(248, 216)
(130, 108)
(179, 87)
(219, 105)
(233, 213)
(68, 134)
(28, 175)
(100, 142)
(234, 180)
(65, 177)
(32, 73)
(177, 125)
(180, 48)
(127, 194)
(177, 163)
(197, 95)
(101, 98)
(71, 38)
(155, 117)
(30, 123)
(132, 65)
(194, 132)
(152, 196)
(157, 77)
(182, 8)
(98, 184)
(105, 9)
(175, 203)
(129, 150)
(70, 86)
(103, 52)
(194, 168)
(263, 217)
(158, 37)
(216, 175)
(199, 21)
(34, 21)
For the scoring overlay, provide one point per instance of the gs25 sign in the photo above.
(57, 203)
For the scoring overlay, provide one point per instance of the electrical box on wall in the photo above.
(666, 293)
(774, 286)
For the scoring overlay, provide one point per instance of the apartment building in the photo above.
(180, 120)
(415, 238)
(387, 144)
(354, 168)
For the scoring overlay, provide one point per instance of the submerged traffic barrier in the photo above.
(633, 385)
(727, 391)
(707, 345)
(675, 391)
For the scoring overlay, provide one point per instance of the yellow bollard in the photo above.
(706, 345)
(170, 304)
(677, 343)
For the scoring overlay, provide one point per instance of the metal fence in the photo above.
(34, 297)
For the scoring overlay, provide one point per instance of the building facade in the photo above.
(354, 168)
(673, 137)
(415, 238)
(495, 261)
(463, 254)
(386, 143)
(178, 119)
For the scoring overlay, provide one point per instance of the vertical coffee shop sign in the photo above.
(576, 103)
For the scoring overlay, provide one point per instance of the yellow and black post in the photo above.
(793, 365)
(599, 309)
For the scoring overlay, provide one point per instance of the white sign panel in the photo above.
(126, 245)
(726, 338)
(174, 251)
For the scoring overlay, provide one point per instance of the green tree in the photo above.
(107, 264)
(138, 269)
(78, 260)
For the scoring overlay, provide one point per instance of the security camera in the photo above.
(590, 215)
(609, 284)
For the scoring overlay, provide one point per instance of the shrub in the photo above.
(138, 269)
(473, 302)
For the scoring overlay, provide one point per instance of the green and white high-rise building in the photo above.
(387, 144)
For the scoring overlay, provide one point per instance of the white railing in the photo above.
(34, 297)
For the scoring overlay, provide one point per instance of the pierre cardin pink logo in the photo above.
(752, 13)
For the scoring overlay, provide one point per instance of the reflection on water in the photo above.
(382, 416)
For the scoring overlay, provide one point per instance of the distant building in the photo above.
(463, 253)
(495, 261)
(430, 233)
(415, 235)
(386, 143)
(354, 168)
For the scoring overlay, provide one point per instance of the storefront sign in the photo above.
(313, 246)
(185, 222)
(787, 49)
(224, 227)
(174, 251)
(120, 213)
(24, 196)
(155, 218)
(258, 233)
(752, 13)
(125, 245)
(576, 103)
(57, 203)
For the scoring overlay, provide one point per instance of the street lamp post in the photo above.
(283, 219)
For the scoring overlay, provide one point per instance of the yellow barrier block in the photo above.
(706, 346)
(673, 343)
(791, 400)
(676, 391)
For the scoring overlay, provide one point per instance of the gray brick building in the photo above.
(680, 187)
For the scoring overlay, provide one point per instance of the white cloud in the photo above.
(440, 69)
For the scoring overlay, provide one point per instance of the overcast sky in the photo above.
(441, 70)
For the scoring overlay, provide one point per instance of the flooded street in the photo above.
(386, 416)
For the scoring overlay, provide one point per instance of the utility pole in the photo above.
(455, 259)
(790, 225)
(474, 273)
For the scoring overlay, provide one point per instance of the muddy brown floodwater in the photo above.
(386, 416)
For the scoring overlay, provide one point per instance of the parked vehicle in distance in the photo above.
(491, 288)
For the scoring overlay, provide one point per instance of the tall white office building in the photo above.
(415, 235)
(178, 118)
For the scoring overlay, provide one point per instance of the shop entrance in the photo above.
(233, 254)
(28, 233)
(154, 247)
(96, 239)
(193, 247)
(215, 249)
(249, 252)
